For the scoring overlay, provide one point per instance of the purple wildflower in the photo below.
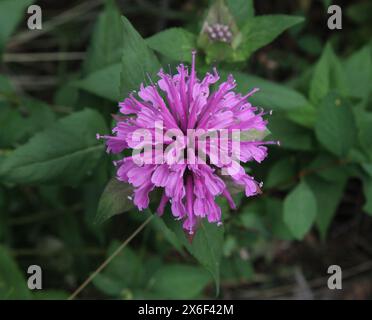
(185, 102)
(219, 32)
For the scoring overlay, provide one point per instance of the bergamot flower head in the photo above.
(178, 117)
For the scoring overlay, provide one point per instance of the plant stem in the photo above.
(109, 259)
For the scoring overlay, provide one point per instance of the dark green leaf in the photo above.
(329, 168)
(271, 95)
(176, 281)
(359, 12)
(261, 30)
(174, 43)
(17, 123)
(124, 272)
(275, 221)
(367, 189)
(11, 12)
(106, 45)
(335, 126)
(242, 10)
(289, 134)
(137, 62)
(103, 83)
(6, 88)
(115, 199)
(167, 232)
(328, 195)
(311, 44)
(13, 285)
(206, 247)
(304, 116)
(328, 74)
(358, 68)
(281, 173)
(364, 121)
(300, 210)
(63, 153)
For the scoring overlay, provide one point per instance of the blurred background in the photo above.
(316, 206)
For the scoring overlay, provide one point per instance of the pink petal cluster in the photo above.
(182, 101)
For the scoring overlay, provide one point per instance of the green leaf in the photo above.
(335, 125)
(244, 269)
(123, 272)
(328, 74)
(367, 189)
(12, 283)
(289, 134)
(66, 95)
(107, 41)
(207, 246)
(261, 30)
(137, 61)
(359, 12)
(326, 3)
(174, 43)
(281, 173)
(11, 13)
(242, 10)
(275, 215)
(235, 270)
(6, 88)
(367, 167)
(329, 168)
(304, 116)
(300, 210)
(4, 225)
(310, 44)
(251, 219)
(167, 232)
(358, 68)
(103, 83)
(328, 195)
(364, 120)
(63, 153)
(176, 281)
(20, 122)
(219, 52)
(271, 95)
(115, 81)
(114, 200)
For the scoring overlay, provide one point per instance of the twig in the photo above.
(317, 283)
(109, 259)
(60, 19)
(307, 172)
(43, 56)
(34, 252)
(31, 218)
(166, 12)
(34, 83)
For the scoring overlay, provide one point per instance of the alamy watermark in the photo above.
(34, 281)
(35, 20)
(220, 147)
(335, 280)
(335, 20)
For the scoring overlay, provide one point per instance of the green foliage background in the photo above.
(56, 188)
